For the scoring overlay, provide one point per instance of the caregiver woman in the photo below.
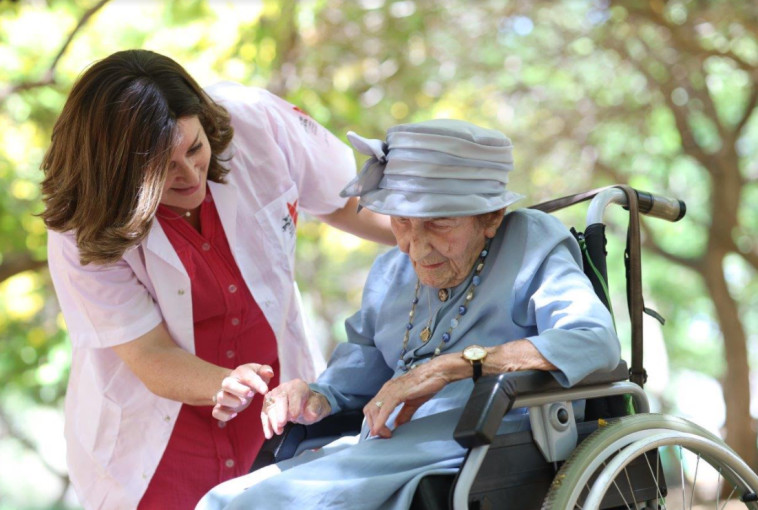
(171, 213)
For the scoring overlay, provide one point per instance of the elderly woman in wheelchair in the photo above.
(469, 292)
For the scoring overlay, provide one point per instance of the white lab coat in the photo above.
(116, 429)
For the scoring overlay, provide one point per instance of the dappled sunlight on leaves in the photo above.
(590, 94)
(20, 297)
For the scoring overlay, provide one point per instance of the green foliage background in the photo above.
(660, 95)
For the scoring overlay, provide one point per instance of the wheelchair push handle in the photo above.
(671, 209)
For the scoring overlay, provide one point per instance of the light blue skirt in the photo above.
(353, 473)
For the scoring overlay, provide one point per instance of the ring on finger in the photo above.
(269, 400)
(379, 403)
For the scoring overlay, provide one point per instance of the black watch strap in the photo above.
(477, 365)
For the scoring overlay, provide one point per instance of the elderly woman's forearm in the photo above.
(508, 357)
(513, 356)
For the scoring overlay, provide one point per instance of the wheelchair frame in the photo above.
(598, 459)
(494, 396)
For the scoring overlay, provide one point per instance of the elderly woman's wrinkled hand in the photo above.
(239, 387)
(292, 401)
(412, 390)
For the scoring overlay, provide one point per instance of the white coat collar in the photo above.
(158, 243)
(225, 197)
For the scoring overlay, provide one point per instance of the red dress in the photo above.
(230, 330)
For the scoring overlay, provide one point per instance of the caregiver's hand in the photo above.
(239, 387)
(412, 389)
(292, 401)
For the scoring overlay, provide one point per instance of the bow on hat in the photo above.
(373, 169)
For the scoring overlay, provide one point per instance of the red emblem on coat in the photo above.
(292, 208)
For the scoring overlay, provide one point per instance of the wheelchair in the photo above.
(617, 456)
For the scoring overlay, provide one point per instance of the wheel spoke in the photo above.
(681, 473)
(618, 489)
(631, 489)
(694, 481)
(656, 476)
(734, 489)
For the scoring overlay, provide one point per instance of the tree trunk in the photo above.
(740, 434)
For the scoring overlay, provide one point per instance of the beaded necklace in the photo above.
(462, 309)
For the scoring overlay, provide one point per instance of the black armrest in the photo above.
(493, 396)
(279, 447)
(284, 446)
(339, 424)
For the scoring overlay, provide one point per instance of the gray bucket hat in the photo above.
(436, 168)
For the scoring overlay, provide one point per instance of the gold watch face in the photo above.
(474, 353)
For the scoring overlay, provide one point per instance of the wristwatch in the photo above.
(475, 355)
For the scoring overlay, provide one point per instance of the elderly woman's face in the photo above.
(443, 250)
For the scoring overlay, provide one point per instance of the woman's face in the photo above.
(188, 169)
(443, 250)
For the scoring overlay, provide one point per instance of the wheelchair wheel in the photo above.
(628, 462)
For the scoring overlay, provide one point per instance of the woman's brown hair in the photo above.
(107, 162)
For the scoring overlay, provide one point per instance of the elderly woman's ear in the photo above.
(491, 222)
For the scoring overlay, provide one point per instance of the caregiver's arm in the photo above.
(423, 382)
(366, 224)
(171, 372)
